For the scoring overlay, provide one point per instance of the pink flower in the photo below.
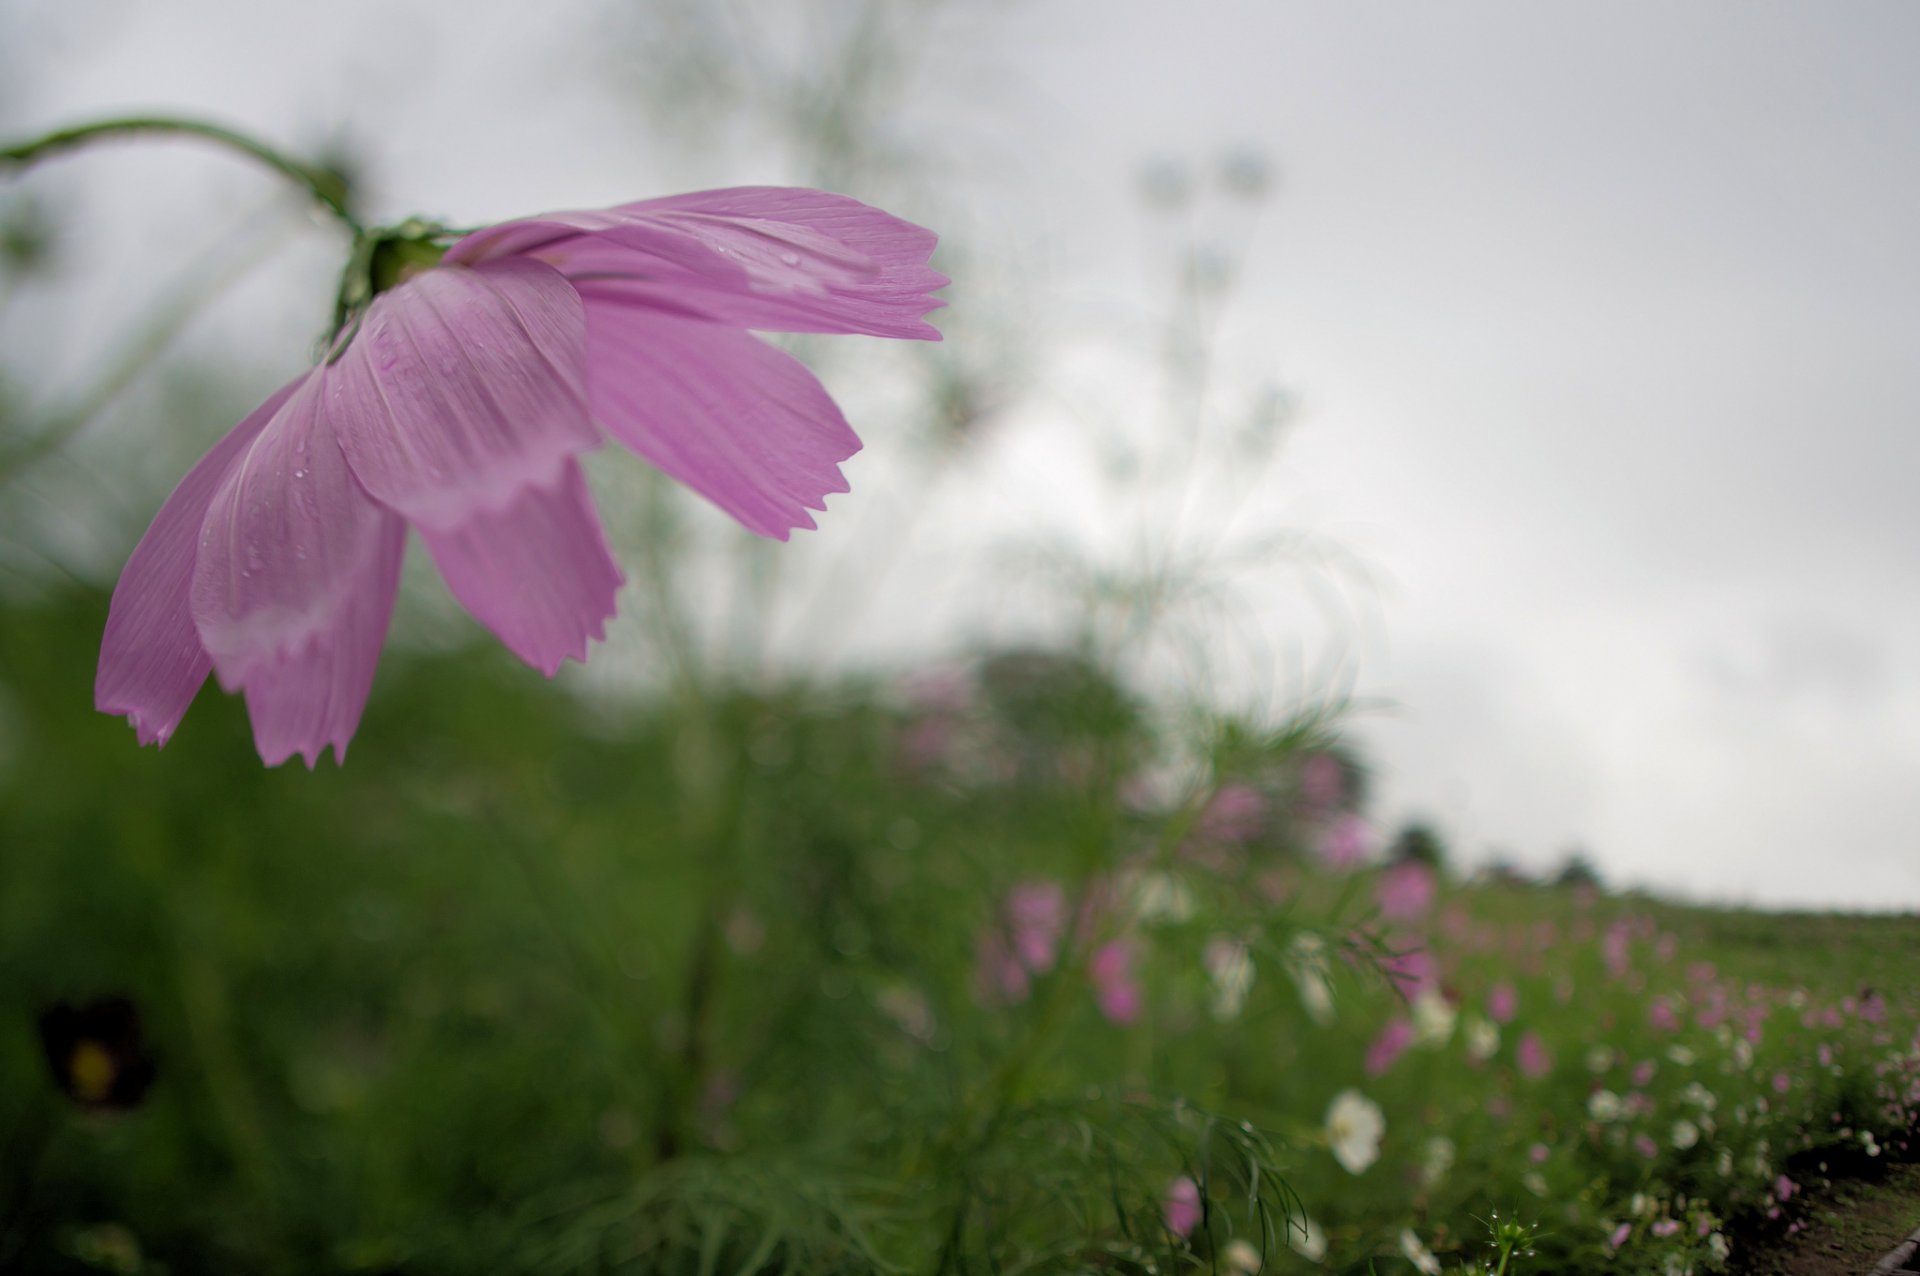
(1532, 1056)
(1620, 1235)
(1036, 915)
(1387, 1048)
(1502, 1003)
(1346, 842)
(1406, 890)
(1114, 988)
(1180, 1208)
(1234, 814)
(458, 403)
(1322, 782)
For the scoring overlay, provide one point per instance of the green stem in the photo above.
(325, 185)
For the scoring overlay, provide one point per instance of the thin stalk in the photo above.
(326, 186)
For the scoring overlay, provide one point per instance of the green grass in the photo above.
(695, 987)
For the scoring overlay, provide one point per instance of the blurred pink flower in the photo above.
(1114, 988)
(1502, 1002)
(1643, 1144)
(1347, 842)
(1784, 1188)
(1531, 1054)
(458, 404)
(1322, 783)
(1389, 1045)
(1233, 815)
(1036, 916)
(1406, 890)
(1620, 1235)
(1413, 970)
(1781, 1083)
(1660, 1014)
(1180, 1207)
(1666, 1226)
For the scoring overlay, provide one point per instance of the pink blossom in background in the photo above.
(1615, 944)
(1036, 915)
(1413, 970)
(1784, 1188)
(1531, 1054)
(1389, 1045)
(1233, 815)
(1539, 1153)
(1661, 1015)
(1347, 842)
(1114, 989)
(1643, 1072)
(1667, 1226)
(1620, 1235)
(1782, 1083)
(1406, 890)
(1503, 1003)
(1323, 783)
(1643, 1144)
(458, 405)
(1180, 1208)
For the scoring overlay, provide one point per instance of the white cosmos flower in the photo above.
(1417, 1254)
(1306, 1239)
(1161, 897)
(1355, 1126)
(1483, 1039)
(1604, 1105)
(1433, 1017)
(1230, 967)
(1240, 1258)
(1437, 1161)
(1685, 1135)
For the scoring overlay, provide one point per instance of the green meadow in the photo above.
(997, 968)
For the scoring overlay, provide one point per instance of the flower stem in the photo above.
(326, 186)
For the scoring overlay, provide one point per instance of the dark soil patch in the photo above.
(1850, 1228)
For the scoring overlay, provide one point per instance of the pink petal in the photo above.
(151, 660)
(538, 573)
(774, 258)
(743, 424)
(295, 581)
(463, 386)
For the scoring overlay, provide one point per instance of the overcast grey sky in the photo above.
(1604, 320)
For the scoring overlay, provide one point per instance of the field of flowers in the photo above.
(993, 970)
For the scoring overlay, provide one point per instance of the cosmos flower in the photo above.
(1355, 1126)
(458, 402)
(1180, 1209)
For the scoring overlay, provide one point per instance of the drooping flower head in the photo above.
(457, 401)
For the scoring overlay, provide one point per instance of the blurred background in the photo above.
(1583, 339)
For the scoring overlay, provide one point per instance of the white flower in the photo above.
(1604, 1105)
(1240, 1258)
(1698, 1095)
(1534, 1182)
(1307, 963)
(1355, 1126)
(1417, 1254)
(1483, 1039)
(1685, 1135)
(1437, 1161)
(1718, 1246)
(1723, 1163)
(1742, 1054)
(1599, 1059)
(1433, 1017)
(1230, 967)
(1306, 1238)
(1162, 897)
(1680, 1055)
